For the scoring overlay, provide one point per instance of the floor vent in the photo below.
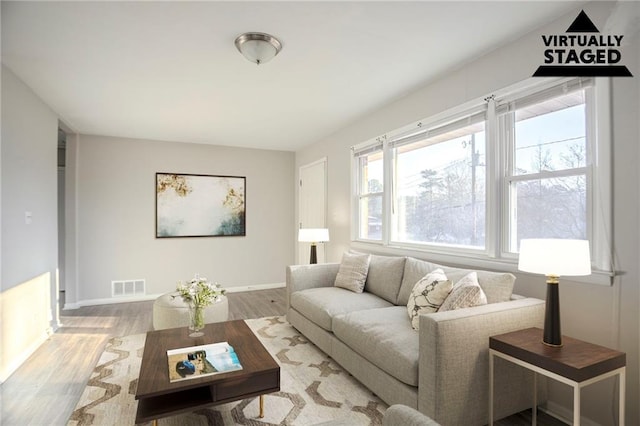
(127, 288)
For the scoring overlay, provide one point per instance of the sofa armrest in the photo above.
(454, 362)
(302, 277)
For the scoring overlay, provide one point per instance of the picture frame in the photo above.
(195, 205)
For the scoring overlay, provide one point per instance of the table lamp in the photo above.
(313, 236)
(554, 258)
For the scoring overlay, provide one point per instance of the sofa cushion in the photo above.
(385, 276)
(414, 270)
(427, 295)
(384, 337)
(466, 293)
(320, 305)
(497, 286)
(353, 272)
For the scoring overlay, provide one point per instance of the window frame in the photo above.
(469, 114)
(495, 254)
(357, 194)
(505, 124)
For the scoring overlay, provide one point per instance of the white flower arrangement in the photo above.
(199, 291)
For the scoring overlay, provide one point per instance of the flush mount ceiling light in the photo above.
(258, 47)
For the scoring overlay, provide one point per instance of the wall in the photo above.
(606, 315)
(29, 251)
(115, 228)
(71, 218)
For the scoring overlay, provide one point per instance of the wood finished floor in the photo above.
(47, 387)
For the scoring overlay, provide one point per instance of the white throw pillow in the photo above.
(427, 295)
(353, 272)
(466, 293)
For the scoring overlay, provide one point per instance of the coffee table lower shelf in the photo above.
(168, 405)
(184, 401)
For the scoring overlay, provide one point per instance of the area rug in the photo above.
(313, 388)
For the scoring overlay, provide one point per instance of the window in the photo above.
(546, 179)
(440, 184)
(476, 180)
(369, 187)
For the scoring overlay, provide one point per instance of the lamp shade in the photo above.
(313, 235)
(556, 257)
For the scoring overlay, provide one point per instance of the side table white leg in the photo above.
(491, 358)
(576, 405)
(534, 415)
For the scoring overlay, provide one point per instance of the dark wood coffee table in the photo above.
(158, 398)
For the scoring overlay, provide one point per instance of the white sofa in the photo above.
(441, 369)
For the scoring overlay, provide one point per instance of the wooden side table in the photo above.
(576, 363)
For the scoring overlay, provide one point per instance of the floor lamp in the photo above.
(313, 236)
(554, 258)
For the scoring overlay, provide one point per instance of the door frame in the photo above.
(321, 249)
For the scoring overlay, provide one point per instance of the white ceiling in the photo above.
(170, 70)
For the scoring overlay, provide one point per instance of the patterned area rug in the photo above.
(314, 388)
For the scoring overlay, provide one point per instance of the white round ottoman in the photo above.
(172, 312)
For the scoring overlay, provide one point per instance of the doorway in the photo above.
(62, 146)
(312, 205)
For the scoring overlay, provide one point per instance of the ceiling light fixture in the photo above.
(258, 47)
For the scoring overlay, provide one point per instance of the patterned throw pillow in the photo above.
(353, 272)
(427, 295)
(465, 294)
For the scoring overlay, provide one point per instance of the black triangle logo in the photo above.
(582, 24)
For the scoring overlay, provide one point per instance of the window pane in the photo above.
(371, 218)
(551, 135)
(441, 189)
(549, 208)
(371, 173)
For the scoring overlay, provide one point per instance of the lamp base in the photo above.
(552, 335)
(314, 257)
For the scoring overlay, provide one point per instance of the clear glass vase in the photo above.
(196, 320)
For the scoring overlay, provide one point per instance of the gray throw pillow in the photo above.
(466, 293)
(353, 272)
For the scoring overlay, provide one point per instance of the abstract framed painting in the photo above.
(189, 205)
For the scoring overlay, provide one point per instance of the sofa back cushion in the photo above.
(414, 270)
(385, 276)
(497, 286)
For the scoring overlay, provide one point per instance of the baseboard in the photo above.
(565, 414)
(255, 287)
(112, 300)
(13, 366)
(109, 301)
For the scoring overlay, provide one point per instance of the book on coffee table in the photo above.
(200, 361)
